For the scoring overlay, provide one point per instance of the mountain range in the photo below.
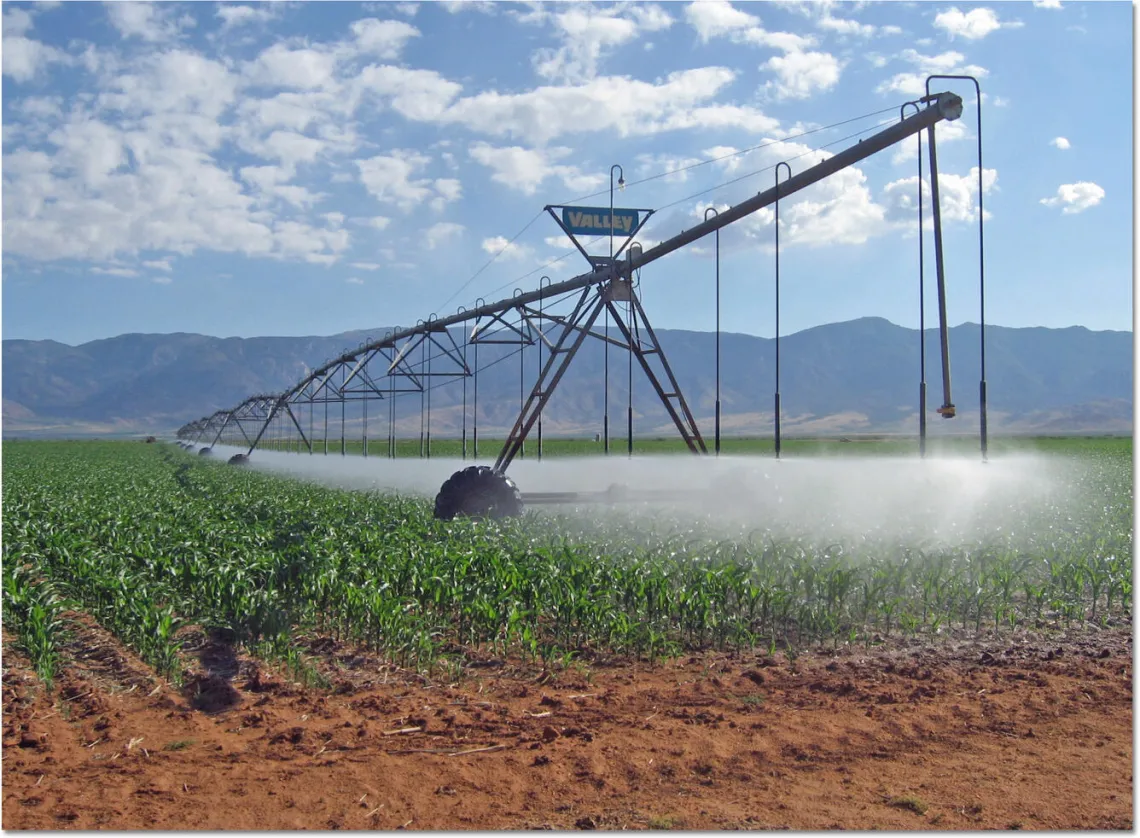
(850, 377)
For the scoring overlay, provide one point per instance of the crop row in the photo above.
(148, 538)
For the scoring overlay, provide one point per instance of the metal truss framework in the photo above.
(556, 319)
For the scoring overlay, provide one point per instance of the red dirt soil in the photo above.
(1018, 731)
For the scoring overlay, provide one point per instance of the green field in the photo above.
(867, 445)
(148, 539)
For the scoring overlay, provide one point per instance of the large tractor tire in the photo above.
(239, 460)
(206, 452)
(478, 492)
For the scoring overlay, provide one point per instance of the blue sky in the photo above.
(310, 168)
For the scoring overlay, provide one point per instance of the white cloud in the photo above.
(914, 84)
(287, 147)
(676, 167)
(972, 25)
(234, 16)
(587, 32)
(300, 69)
(585, 35)
(1061, 143)
(158, 265)
(1047, 4)
(354, 280)
(271, 182)
(406, 9)
(161, 280)
(99, 190)
(441, 233)
(383, 38)
(525, 169)
(125, 272)
(366, 266)
(420, 95)
(379, 222)
(152, 22)
(946, 132)
(24, 58)
(1075, 197)
(843, 26)
(505, 247)
(718, 18)
(389, 178)
(484, 6)
(958, 195)
(725, 157)
(800, 74)
(17, 21)
(623, 106)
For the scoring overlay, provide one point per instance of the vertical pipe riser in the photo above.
(947, 409)
(922, 418)
(984, 422)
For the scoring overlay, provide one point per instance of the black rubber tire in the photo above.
(478, 492)
(205, 452)
(239, 460)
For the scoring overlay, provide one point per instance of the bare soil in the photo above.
(1004, 731)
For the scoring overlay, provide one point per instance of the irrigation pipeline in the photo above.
(942, 106)
(599, 291)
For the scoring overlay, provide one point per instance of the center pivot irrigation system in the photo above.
(557, 318)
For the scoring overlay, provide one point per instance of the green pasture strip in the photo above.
(851, 446)
(149, 537)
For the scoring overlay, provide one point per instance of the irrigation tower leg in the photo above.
(680, 414)
(579, 323)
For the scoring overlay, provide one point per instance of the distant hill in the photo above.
(857, 376)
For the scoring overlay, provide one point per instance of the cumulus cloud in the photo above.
(153, 22)
(124, 272)
(800, 74)
(132, 169)
(441, 233)
(23, 57)
(946, 132)
(1061, 143)
(162, 149)
(390, 178)
(617, 104)
(914, 83)
(525, 169)
(505, 249)
(958, 194)
(233, 16)
(972, 25)
(383, 38)
(800, 71)
(1075, 197)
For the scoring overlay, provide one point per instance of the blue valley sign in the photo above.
(596, 221)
